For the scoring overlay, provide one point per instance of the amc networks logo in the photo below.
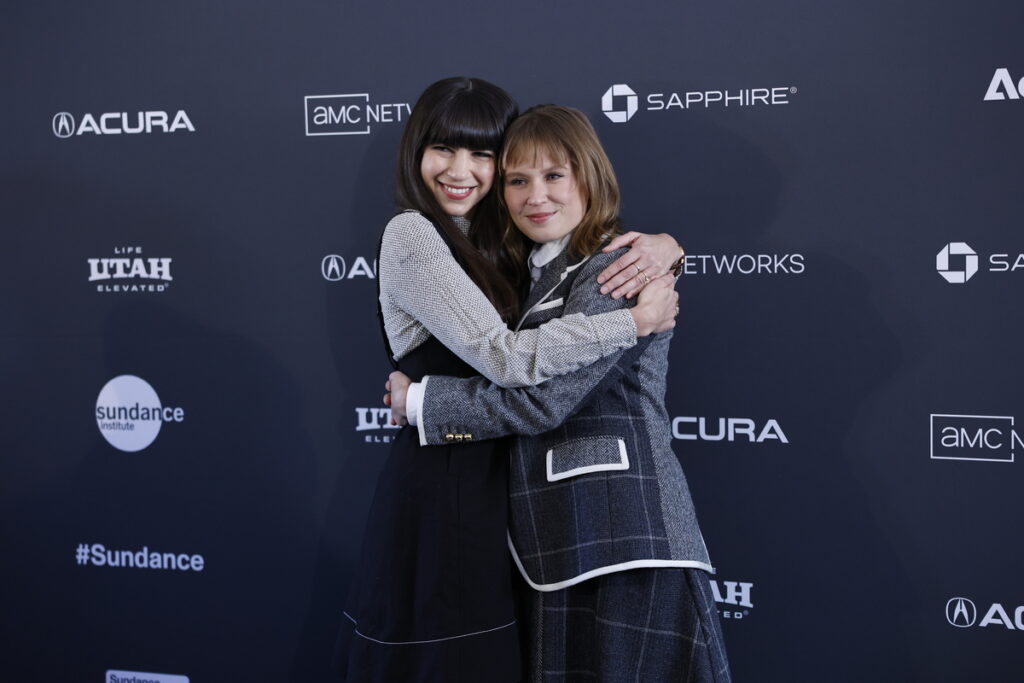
(986, 438)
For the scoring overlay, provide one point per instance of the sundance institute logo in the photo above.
(129, 413)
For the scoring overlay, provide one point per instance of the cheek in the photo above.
(486, 177)
(513, 198)
(426, 171)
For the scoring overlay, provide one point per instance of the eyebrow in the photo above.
(554, 167)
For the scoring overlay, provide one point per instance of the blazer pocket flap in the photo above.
(586, 455)
(548, 304)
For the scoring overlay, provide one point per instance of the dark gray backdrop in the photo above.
(862, 547)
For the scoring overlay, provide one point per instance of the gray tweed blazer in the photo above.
(595, 487)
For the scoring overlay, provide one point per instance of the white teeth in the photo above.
(457, 190)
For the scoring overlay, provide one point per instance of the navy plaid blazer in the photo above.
(595, 487)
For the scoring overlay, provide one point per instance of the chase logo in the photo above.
(63, 125)
(961, 612)
(608, 103)
(969, 264)
(349, 114)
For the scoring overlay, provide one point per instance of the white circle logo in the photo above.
(957, 249)
(129, 414)
(332, 267)
(63, 125)
(961, 612)
(608, 103)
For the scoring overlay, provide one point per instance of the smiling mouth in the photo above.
(453, 192)
(540, 217)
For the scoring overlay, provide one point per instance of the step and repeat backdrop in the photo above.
(192, 372)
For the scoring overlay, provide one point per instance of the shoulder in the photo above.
(408, 224)
(410, 232)
(599, 261)
(585, 291)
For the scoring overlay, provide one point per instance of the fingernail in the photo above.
(604, 290)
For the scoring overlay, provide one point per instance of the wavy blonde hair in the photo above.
(567, 137)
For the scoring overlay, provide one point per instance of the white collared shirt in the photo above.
(544, 254)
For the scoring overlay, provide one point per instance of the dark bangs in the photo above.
(468, 120)
(466, 113)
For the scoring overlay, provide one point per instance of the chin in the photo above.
(457, 210)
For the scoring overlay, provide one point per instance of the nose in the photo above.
(459, 168)
(538, 194)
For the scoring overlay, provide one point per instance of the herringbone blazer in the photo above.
(595, 487)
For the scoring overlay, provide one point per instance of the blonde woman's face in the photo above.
(543, 198)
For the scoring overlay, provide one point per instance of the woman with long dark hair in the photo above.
(432, 599)
(602, 525)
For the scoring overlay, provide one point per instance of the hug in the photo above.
(534, 386)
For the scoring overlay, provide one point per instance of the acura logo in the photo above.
(63, 125)
(961, 612)
(333, 267)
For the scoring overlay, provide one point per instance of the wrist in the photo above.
(677, 266)
(414, 403)
(643, 328)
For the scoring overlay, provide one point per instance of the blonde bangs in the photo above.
(567, 138)
(526, 149)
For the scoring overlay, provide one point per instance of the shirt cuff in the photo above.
(414, 407)
(414, 402)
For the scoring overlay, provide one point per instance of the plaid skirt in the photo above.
(643, 625)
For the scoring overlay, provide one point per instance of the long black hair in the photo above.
(461, 112)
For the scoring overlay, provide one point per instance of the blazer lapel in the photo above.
(551, 275)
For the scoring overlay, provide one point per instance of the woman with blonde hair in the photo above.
(431, 599)
(601, 523)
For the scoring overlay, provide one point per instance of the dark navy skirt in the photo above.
(638, 625)
(432, 596)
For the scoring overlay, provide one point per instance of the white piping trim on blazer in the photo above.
(622, 464)
(565, 274)
(601, 571)
(550, 304)
(423, 642)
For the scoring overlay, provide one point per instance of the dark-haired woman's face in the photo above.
(458, 177)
